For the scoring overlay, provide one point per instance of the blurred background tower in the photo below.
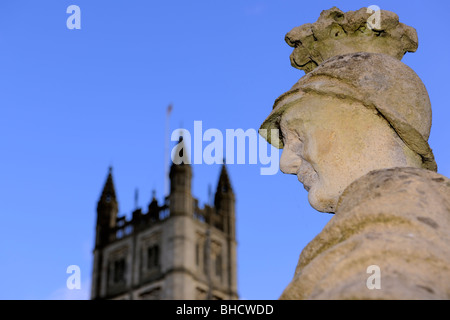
(176, 250)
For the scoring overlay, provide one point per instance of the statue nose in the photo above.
(292, 38)
(289, 161)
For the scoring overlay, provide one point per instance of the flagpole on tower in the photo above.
(166, 151)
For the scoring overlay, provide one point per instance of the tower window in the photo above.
(205, 258)
(219, 266)
(119, 270)
(153, 257)
(197, 254)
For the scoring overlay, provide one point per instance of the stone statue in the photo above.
(355, 131)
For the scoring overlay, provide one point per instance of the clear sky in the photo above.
(73, 102)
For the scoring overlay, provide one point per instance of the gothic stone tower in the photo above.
(176, 250)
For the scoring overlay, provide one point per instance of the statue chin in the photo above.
(321, 200)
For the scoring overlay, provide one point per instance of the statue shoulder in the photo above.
(395, 188)
(384, 215)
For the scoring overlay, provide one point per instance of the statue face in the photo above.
(330, 142)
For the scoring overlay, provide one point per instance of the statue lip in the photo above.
(307, 175)
(304, 179)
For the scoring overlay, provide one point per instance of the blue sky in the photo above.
(73, 102)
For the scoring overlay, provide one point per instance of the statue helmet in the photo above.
(376, 80)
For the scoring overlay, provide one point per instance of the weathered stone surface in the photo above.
(395, 218)
(337, 32)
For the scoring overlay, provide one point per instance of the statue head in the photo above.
(352, 114)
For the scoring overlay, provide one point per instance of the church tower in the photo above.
(176, 250)
(224, 203)
(107, 209)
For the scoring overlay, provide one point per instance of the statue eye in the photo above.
(299, 136)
